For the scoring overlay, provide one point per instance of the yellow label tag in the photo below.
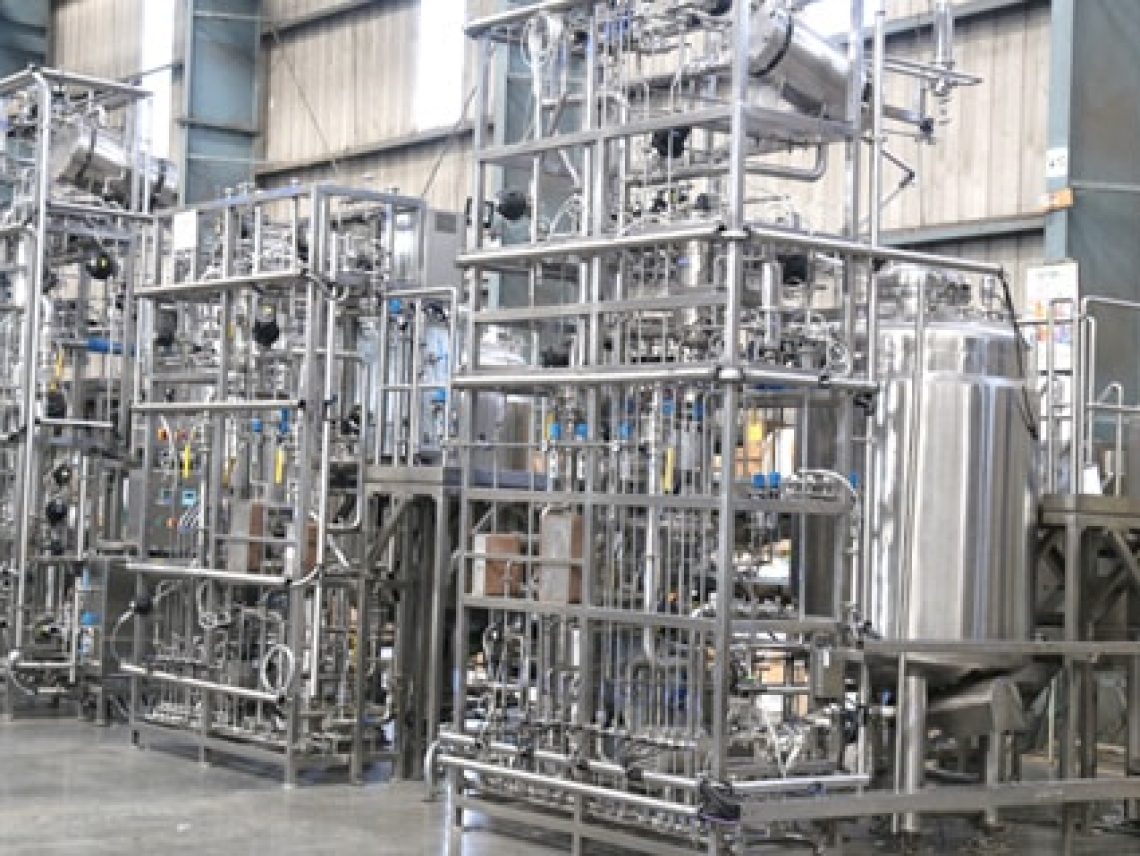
(279, 467)
(670, 466)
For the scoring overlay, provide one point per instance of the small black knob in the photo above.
(670, 142)
(55, 511)
(266, 331)
(99, 265)
(142, 605)
(513, 205)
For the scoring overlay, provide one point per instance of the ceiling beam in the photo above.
(966, 230)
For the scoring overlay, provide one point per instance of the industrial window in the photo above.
(439, 69)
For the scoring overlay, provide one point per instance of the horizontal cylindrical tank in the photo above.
(96, 160)
(809, 71)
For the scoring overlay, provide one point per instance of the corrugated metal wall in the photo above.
(350, 82)
(338, 84)
(989, 159)
(97, 37)
(407, 169)
(991, 162)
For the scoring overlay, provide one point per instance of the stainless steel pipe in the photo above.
(199, 684)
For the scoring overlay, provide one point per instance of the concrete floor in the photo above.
(69, 788)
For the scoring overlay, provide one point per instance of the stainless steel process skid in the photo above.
(75, 188)
(745, 554)
(291, 353)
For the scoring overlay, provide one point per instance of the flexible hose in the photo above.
(13, 665)
(282, 685)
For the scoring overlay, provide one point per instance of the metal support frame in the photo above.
(63, 351)
(288, 413)
(553, 682)
(555, 658)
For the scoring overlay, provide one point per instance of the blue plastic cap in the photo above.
(774, 480)
(759, 480)
(99, 345)
(582, 431)
(625, 430)
(395, 306)
(853, 480)
(256, 425)
(698, 410)
(439, 396)
(555, 431)
(89, 619)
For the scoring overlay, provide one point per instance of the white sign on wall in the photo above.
(1057, 163)
(1053, 287)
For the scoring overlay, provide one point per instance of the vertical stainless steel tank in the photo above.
(502, 429)
(953, 482)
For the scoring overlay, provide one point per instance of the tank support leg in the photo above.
(995, 749)
(912, 732)
(1133, 768)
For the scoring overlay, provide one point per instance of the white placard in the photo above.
(1057, 163)
(1044, 286)
(184, 231)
